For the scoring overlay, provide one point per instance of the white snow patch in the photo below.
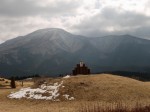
(68, 97)
(67, 76)
(44, 92)
(28, 79)
(71, 98)
(51, 92)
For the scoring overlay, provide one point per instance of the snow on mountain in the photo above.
(54, 51)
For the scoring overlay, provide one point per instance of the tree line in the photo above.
(24, 77)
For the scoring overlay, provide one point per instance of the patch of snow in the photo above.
(51, 92)
(67, 76)
(28, 79)
(68, 97)
(44, 92)
(71, 98)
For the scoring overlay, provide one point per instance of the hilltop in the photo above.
(106, 88)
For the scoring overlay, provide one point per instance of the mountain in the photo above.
(54, 51)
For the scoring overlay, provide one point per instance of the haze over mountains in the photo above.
(54, 51)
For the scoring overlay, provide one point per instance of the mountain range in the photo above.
(55, 51)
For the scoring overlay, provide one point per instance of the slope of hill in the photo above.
(54, 51)
(4, 82)
(104, 89)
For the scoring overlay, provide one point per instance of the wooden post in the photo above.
(22, 83)
(12, 83)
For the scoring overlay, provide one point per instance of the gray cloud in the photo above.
(111, 21)
(86, 17)
(19, 17)
(14, 8)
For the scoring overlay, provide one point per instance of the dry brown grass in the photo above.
(114, 108)
(104, 89)
(6, 83)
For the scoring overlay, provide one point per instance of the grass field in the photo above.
(102, 89)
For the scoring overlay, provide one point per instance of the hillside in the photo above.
(55, 51)
(104, 89)
(4, 83)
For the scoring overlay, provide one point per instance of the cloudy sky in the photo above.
(86, 17)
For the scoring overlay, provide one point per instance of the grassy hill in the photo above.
(104, 89)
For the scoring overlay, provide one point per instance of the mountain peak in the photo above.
(54, 30)
(48, 33)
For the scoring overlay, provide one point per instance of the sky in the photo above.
(92, 18)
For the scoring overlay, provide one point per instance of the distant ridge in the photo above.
(54, 51)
